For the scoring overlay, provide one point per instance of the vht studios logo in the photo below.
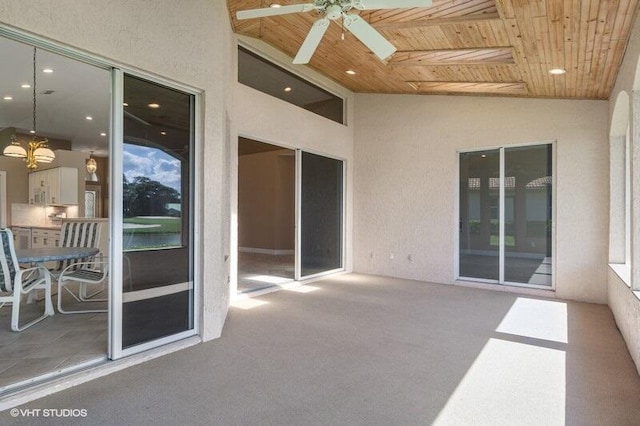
(48, 412)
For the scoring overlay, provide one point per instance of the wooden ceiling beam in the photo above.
(437, 22)
(445, 57)
(514, 87)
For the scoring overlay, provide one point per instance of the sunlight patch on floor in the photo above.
(249, 303)
(269, 279)
(539, 319)
(510, 384)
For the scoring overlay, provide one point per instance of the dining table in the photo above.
(41, 255)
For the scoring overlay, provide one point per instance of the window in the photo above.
(262, 75)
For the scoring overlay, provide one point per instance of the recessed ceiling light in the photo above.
(163, 133)
(88, 117)
(25, 86)
(351, 72)
(154, 105)
(484, 155)
(47, 70)
(8, 98)
(33, 132)
(288, 89)
(103, 134)
(276, 5)
(557, 71)
(125, 104)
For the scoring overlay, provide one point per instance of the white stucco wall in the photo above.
(187, 42)
(268, 119)
(406, 178)
(624, 304)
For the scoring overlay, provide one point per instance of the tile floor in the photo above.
(257, 271)
(57, 343)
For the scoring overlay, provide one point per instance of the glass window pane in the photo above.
(321, 211)
(528, 214)
(157, 238)
(262, 75)
(479, 214)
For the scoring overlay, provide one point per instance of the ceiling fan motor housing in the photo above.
(334, 12)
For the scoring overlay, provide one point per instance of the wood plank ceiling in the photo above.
(488, 47)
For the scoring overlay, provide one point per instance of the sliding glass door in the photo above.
(320, 217)
(479, 214)
(506, 215)
(155, 203)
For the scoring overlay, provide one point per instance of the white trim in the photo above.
(623, 271)
(3, 199)
(298, 218)
(115, 214)
(17, 386)
(152, 293)
(56, 385)
(136, 349)
(501, 203)
(272, 252)
(197, 185)
(627, 197)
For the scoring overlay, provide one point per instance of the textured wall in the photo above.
(626, 310)
(185, 41)
(624, 304)
(406, 176)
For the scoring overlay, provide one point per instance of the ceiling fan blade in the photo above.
(369, 36)
(389, 4)
(311, 42)
(274, 11)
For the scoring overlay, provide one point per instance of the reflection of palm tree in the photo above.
(146, 197)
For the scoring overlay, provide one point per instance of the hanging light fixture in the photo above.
(92, 166)
(37, 150)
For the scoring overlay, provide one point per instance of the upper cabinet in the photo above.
(57, 186)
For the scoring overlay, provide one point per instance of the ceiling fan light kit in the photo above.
(334, 10)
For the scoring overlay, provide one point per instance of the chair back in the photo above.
(8, 260)
(82, 232)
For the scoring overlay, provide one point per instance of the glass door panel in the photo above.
(157, 226)
(321, 213)
(479, 215)
(528, 214)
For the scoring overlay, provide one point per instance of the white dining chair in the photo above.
(88, 272)
(16, 282)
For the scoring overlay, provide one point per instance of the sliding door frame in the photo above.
(117, 71)
(343, 227)
(501, 239)
(116, 349)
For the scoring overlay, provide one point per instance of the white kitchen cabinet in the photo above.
(57, 186)
(41, 238)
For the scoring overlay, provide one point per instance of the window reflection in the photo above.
(151, 198)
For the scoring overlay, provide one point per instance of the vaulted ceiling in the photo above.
(490, 47)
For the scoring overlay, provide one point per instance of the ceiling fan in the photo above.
(332, 11)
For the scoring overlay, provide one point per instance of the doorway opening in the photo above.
(266, 215)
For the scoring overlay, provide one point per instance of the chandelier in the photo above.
(37, 150)
(92, 166)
